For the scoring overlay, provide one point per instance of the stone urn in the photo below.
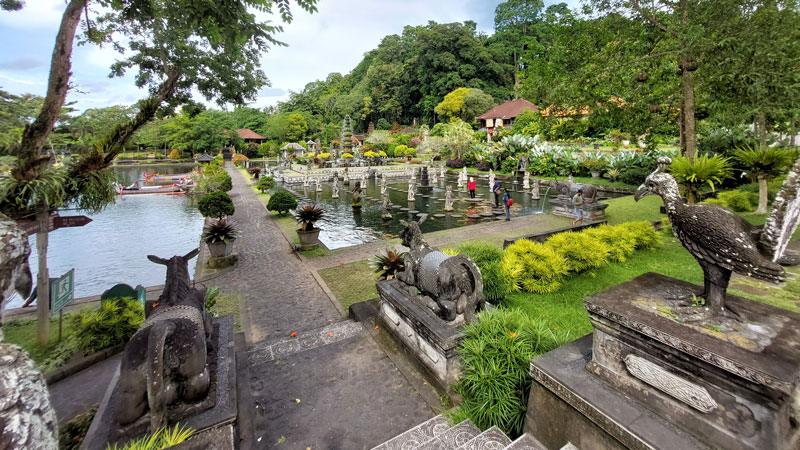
(596, 174)
(308, 239)
(220, 249)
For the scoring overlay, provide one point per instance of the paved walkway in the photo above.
(330, 387)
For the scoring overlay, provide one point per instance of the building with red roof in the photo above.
(503, 115)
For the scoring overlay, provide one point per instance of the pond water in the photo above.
(113, 248)
(343, 226)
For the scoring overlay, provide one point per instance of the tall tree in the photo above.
(177, 46)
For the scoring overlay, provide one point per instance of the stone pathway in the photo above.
(329, 387)
(77, 393)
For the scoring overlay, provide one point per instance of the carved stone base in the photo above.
(562, 206)
(218, 409)
(430, 339)
(728, 383)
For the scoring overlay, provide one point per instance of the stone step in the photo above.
(272, 349)
(455, 437)
(569, 446)
(526, 442)
(418, 435)
(491, 439)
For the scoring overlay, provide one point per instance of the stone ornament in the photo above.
(491, 178)
(383, 186)
(535, 189)
(335, 188)
(319, 185)
(345, 177)
(448, 198)
(411, 190)
(305, 180)
(526, 181)
(363, 181)
(387, 208)
(721, 242)
(451, 286)
(28, 420)
(693, 395)
(442, 172)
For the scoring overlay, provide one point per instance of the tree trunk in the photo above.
(793, 130)
(682, 145)
(36, 134)
(688, 113)
(762, 131)
(43, 277)
(762, 195)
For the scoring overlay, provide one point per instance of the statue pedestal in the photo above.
(652, 381)
(430, 339)
(218, 410)
(562, 206)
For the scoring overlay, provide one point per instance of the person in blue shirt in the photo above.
(506, 198)
(496, 190)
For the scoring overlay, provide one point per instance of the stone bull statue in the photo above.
(452, 286)
(165, 361)
(565, 189)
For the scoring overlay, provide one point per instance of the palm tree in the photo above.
(763, 165)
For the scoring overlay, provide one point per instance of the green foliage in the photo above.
(307, 215)
(496, 353)
(581, 251)
(174, 154)
(72, 433)
(219, 231)
(383, 124)
(214, 178)
(738, 201)
(296, 128)
(387, 265)
(458, 137)
(216, 204)
(239, 160)
(465, 104)
(540, 267)
(619, 240)
(693, 176)
(643, 232)
(265, 183)
(767, 162)
(112, 324)
(163, 438)
(496, 283)
(281, 202)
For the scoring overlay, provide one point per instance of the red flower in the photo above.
(294, 334)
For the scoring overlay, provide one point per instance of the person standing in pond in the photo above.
(507, 201)
(471, 187)
(496, 190)
(577, 202)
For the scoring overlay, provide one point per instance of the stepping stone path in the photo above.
(413, 211)
(473, 216)
(403, 209)
(488, 214)
(455, 216)
(439, 216)
(438, 433)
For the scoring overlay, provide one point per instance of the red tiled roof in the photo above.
(244, 133)
(508, 110)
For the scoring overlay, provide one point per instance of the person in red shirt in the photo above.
(471, 187)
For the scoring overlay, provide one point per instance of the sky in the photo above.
(334, 39)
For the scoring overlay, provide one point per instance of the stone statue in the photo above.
(434, 178)
(464, 174)
(535, 189)
(305, 180)
(363, 181)
(491, 178)
(567, 190)
(448, 198)
(460, 181)
(383, 185)
(411, 184)
(387, 208)
(451, 286)
(357, 196)
(571, 180)
(442, 172)
(526, 181)
(335, 188)
(165, 362)
(319, 185)
(27, 420)
(345, 177)
(721, 241)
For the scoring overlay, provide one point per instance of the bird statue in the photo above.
(723, 242)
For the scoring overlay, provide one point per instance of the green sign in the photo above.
(141, 294)
(62, 291)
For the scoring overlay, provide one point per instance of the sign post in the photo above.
(62, 294)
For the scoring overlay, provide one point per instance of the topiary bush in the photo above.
(265, 183)
(455, 163)
(540, 268)
(620, 240)
(581, 251)
(216, 204)
(496, 353)
(496, 285)
(739, 201)
(174, 154)
(239, 159)
(281, 202)
(643, 232)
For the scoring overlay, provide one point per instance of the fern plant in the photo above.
(762, 166)
(581, 251)
(540, 268)
(112, 324)
(705, 170)
(496, 285)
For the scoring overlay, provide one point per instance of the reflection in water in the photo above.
(343, 226)
(113, 248)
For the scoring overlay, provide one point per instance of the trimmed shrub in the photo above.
(620, 240)
(112, 324)
(634, 175)
(174, 154)
(455, 163)
(281, 202)
(216, 204)
(483, 166)
(239, 159)
(265, 183)
(496, 286)
(581, 251)
(739, 201)
(540, 267)
(643, 232)
(496, 353)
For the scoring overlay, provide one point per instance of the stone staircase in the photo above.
(439, 433)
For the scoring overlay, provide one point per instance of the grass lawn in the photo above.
(23, 333)
(350, 283)
(228, 303)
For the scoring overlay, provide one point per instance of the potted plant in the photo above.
(306, 215)
(219, 236)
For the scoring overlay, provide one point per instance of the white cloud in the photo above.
(36, 14)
